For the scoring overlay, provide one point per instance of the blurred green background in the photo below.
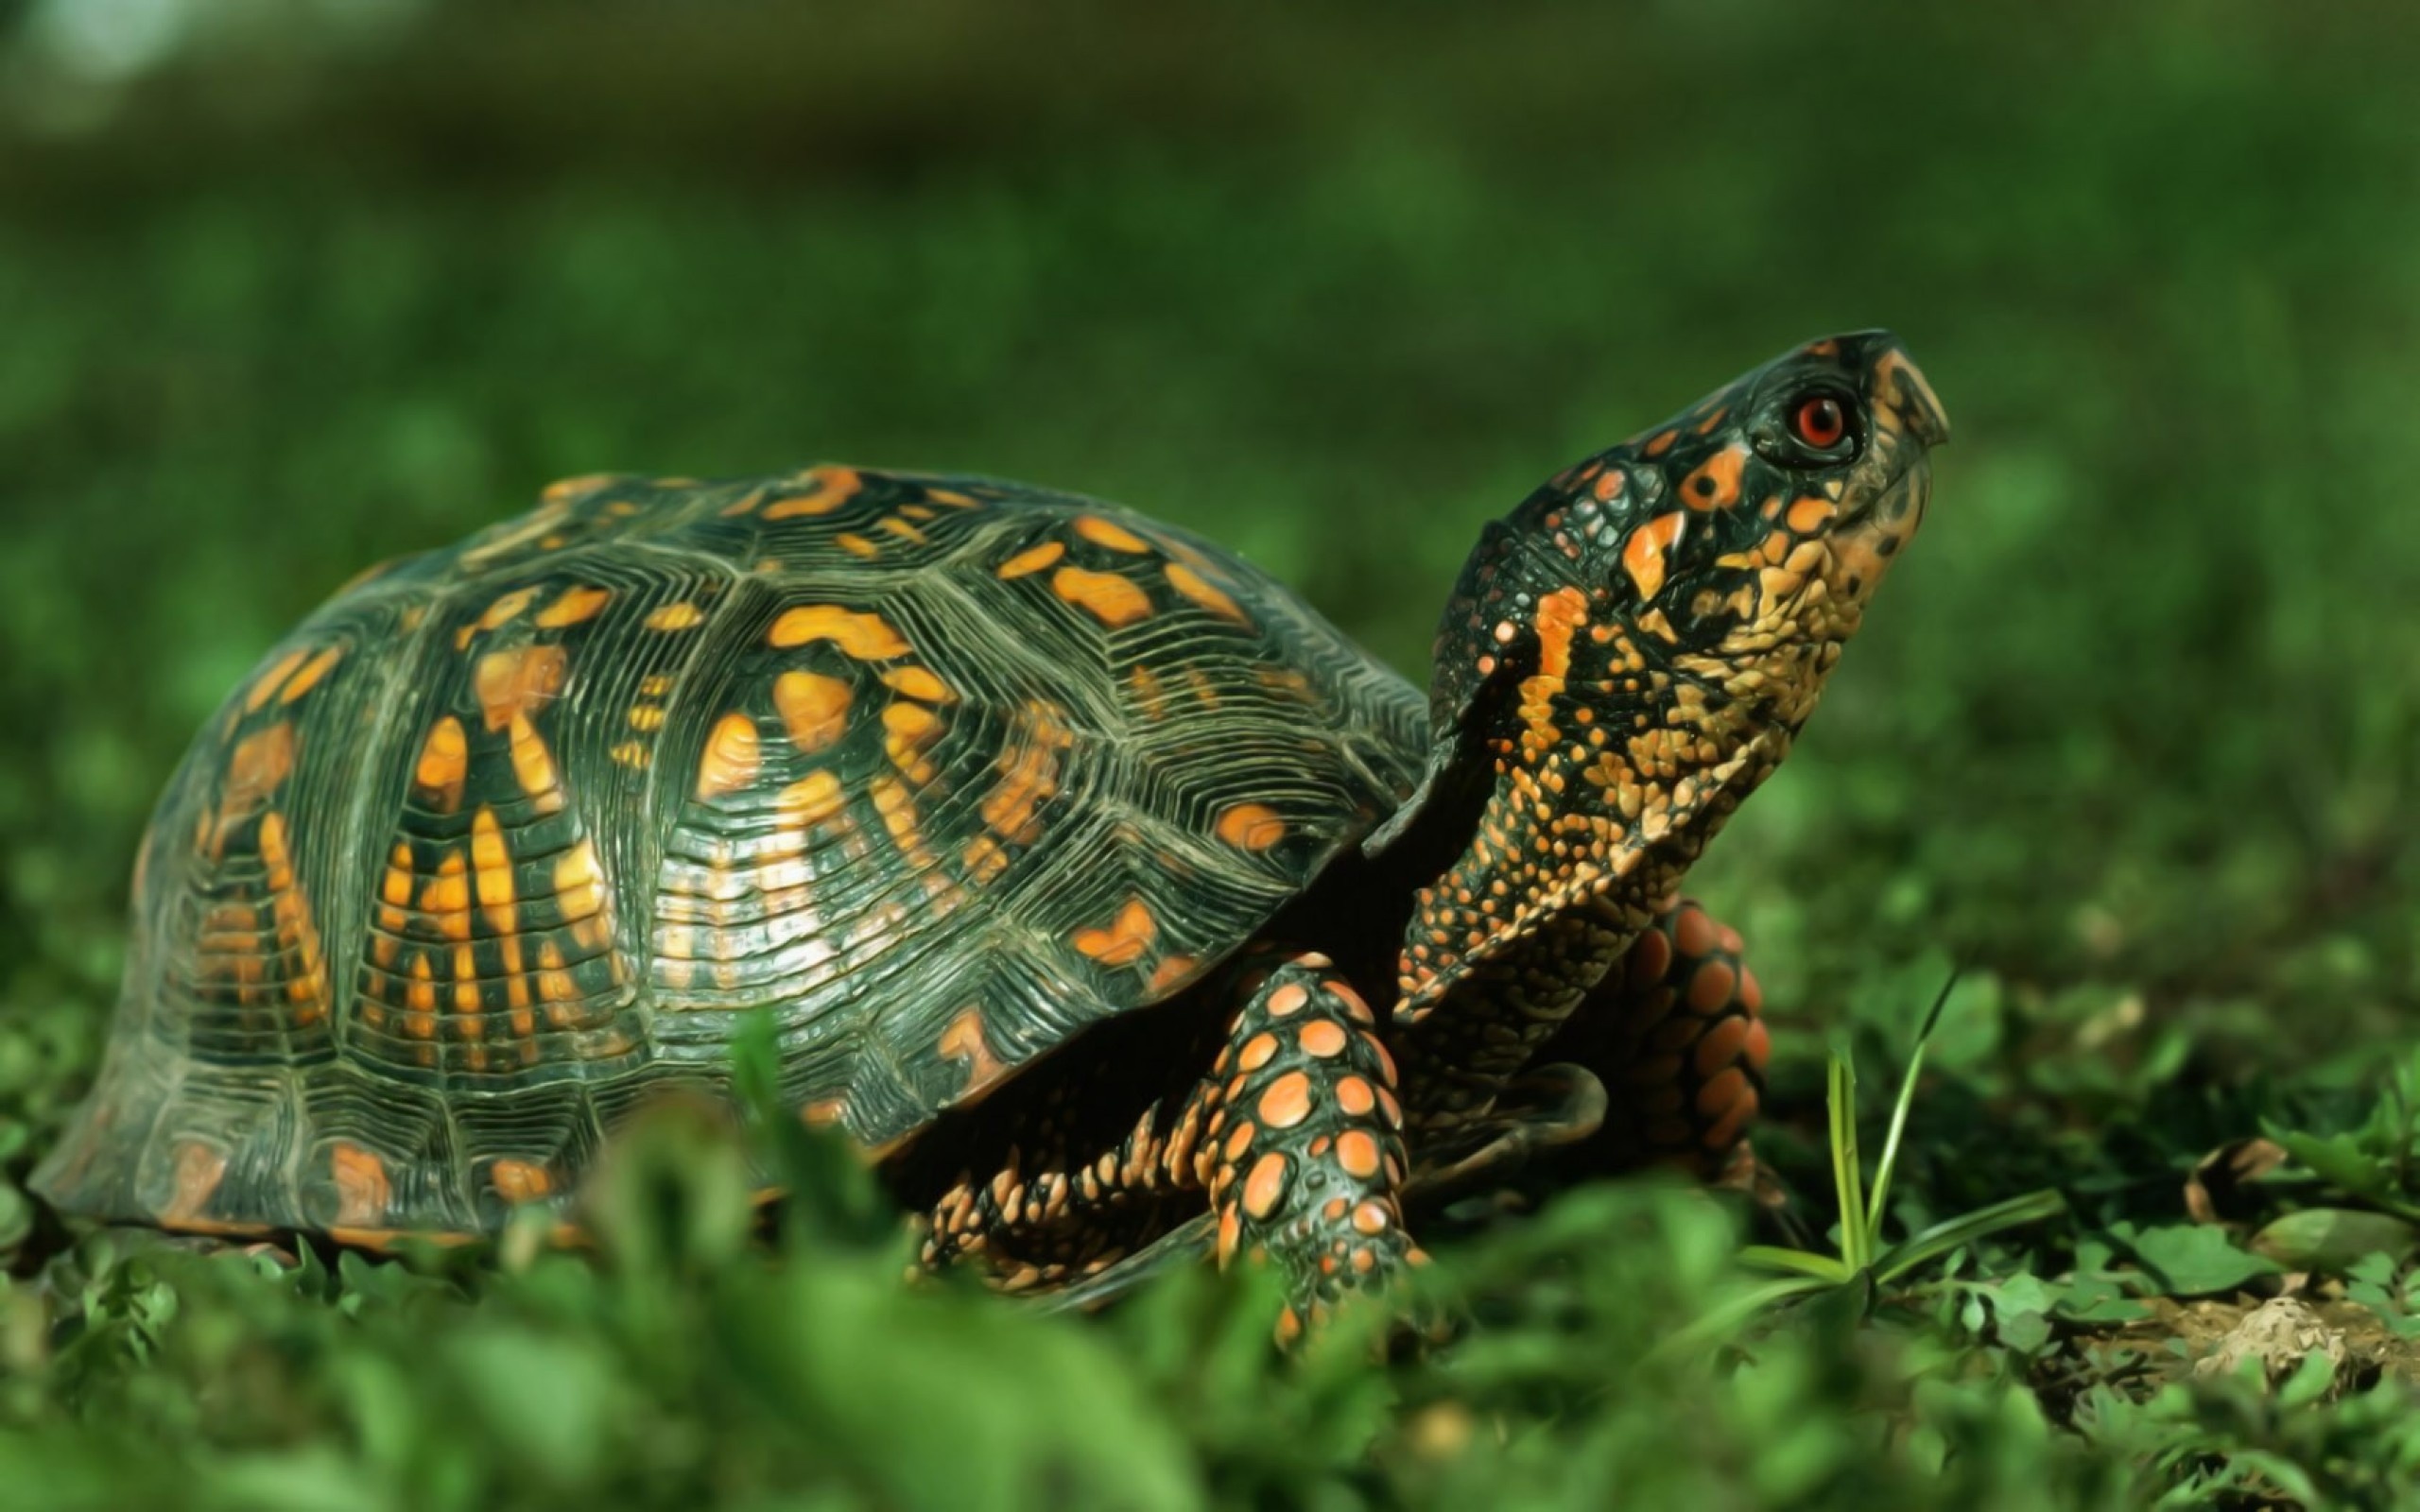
(290, 286)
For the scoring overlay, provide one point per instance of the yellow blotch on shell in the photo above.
(314, 672)
(518, 681)
(918, 683)
(732, 756)
(534, 766)
(267, 686)
(1124, 939)
(814, 799)
(1251, 826)
(492, 874)
(1111, 533)
(520, 1181)
(1202, 591)
(680, 616)
(578, 606)
(1031, 559)
(1114, 601)
(507, 608)
(963, 1040)
(863, 635)
(199, 1169)
(363, 1192)
(580, 884)
(828, 489)
(445, 765)
(813, 706)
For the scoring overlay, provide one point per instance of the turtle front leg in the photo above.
(1303, 1153)
(1296, 1136)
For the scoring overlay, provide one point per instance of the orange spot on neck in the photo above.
(1559, 614)
(1643, 554)
(1714, 485)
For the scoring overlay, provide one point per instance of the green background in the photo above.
(2133, 731)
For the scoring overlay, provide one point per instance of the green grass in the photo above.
(2133, 734)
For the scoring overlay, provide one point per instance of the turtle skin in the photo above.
(506, 839)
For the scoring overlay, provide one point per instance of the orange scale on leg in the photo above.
(1354, 1095)
(1759, 1047)
(1239, 1141)
(1722, 1089)
(1358, 1153)
(1725, 1130)
(1287, 1102)
(1649, 958)
(1721, 1045)
(1712, 986)
(1231, 1232)
(1266, 1186)
(1323, 1038)
(1694, 932)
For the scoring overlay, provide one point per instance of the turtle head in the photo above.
(1632, 649)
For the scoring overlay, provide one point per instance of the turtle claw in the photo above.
(1548, 1107)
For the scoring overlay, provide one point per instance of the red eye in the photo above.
(1819, 422)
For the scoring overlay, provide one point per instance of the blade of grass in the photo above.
(1720, 1322)
(1877, 1202)
(1799, 1261)
(1848, 1176)
(1952, 1233)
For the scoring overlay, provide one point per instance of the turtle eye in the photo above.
(1819, 422)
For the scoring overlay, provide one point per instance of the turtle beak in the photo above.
(1901, 384)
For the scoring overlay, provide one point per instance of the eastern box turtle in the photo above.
(1097, 887)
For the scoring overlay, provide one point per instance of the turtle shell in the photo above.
(507, 839)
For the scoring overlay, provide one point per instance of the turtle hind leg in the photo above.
(1042, 1229)
(1677, 1034)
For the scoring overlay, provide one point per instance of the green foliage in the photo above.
(1865, 1254)
(2133, 734)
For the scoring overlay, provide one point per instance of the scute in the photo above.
(506, 839)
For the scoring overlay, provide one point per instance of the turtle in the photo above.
(1098, 889)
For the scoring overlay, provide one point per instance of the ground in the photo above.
(2132, 735)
